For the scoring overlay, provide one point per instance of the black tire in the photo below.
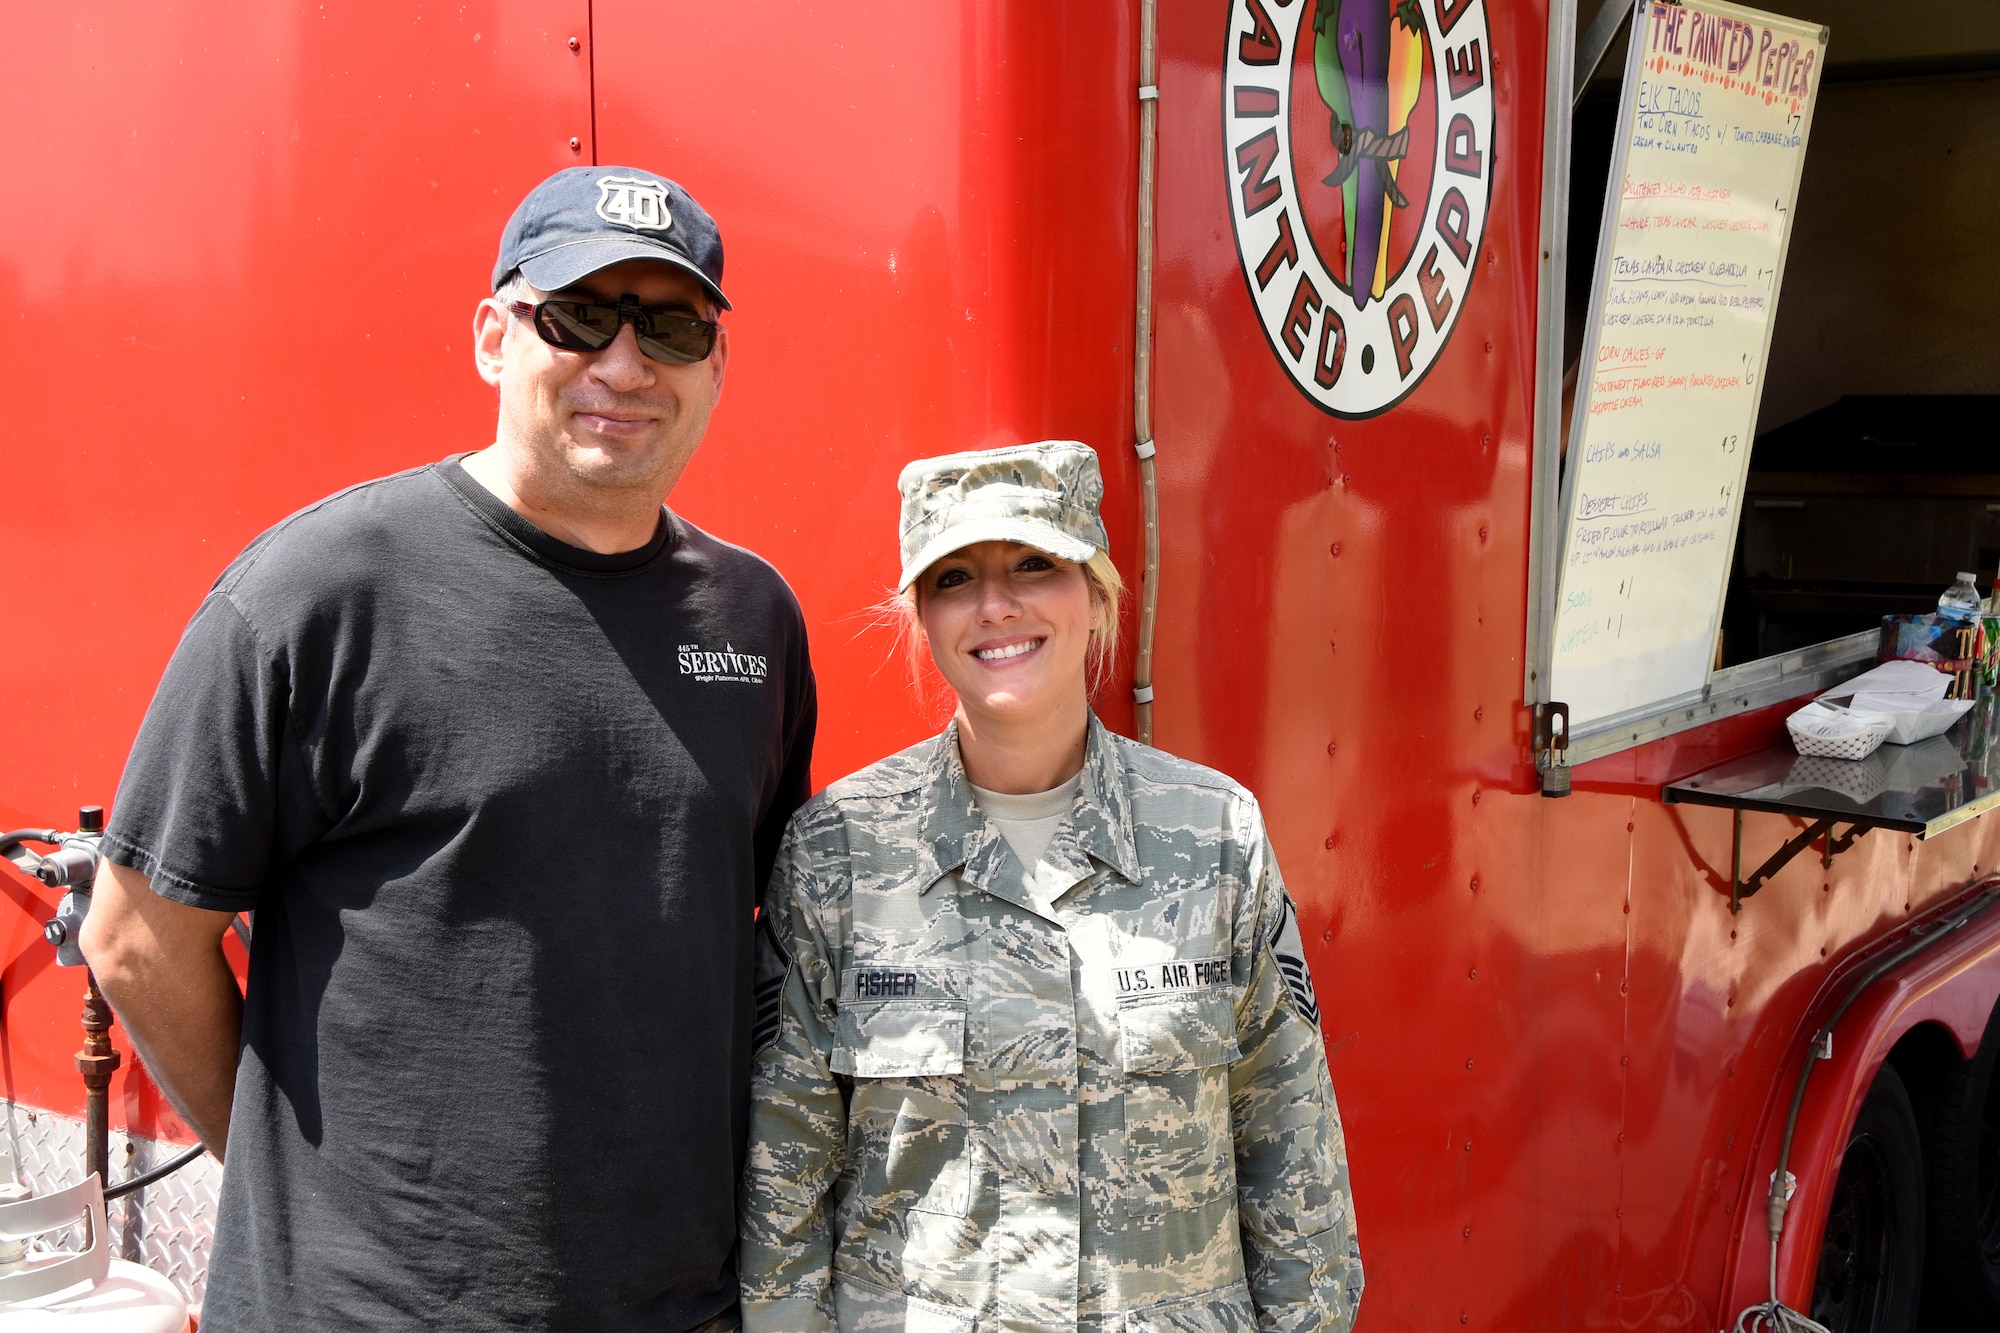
(1871, 1260)
(1962, 1150)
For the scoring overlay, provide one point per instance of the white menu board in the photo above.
(1711, 137)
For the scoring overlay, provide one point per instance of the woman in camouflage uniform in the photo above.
(1037, 1048)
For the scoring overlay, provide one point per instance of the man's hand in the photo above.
(161, 965)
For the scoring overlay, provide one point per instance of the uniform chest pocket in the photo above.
(909, 1142)
(1180, 1151)
(900, 1038)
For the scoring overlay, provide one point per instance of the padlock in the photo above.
(1552, 747)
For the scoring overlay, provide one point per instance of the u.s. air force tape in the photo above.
(1175, 974)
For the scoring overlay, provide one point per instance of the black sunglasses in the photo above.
(586, 326)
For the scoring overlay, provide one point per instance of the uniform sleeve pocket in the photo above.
(900, 1039)
(1163, 1034)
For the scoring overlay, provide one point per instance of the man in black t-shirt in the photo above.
(498, 750)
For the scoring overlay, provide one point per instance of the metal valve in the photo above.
(72, 863)
(71, 866)
(65, 929)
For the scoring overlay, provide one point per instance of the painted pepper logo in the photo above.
(1360, 144)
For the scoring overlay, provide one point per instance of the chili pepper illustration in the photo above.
(1406, 86)
(1333, 91)
(1359, 103)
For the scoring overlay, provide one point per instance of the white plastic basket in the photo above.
(1860, 782)
(1828, 731)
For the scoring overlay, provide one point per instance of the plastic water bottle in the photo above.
(1961, 599)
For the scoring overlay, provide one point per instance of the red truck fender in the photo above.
(1946, 989)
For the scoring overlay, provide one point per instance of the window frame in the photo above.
(1729, 691)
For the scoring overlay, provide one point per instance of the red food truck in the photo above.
(1612, 990)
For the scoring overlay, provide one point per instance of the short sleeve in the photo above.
(795, 778)
(214, 790)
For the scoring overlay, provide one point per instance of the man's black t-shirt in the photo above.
(503, 808)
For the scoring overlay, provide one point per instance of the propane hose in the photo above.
(1773, 1316)
(160, 1172)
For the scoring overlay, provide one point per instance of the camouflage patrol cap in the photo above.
(1043, 495)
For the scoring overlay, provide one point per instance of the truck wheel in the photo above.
(1962, 1149)
(1872, 1258)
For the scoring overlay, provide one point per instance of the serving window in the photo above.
(1873, 469)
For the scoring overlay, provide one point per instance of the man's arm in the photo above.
(161, 965)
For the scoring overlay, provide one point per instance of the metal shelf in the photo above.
(1923, 789)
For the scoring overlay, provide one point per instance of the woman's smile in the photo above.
(1010, 652)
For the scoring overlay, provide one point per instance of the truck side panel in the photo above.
(239, 265)
(929, 219)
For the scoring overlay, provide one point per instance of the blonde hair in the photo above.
(900, 612)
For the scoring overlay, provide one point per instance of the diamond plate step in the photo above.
(167, 1226)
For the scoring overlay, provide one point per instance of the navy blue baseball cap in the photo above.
(583, 219)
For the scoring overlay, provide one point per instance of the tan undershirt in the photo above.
(1028, 821)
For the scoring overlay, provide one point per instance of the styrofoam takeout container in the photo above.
(1910, 719)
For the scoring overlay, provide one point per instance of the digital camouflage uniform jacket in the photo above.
(1094, 1096)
